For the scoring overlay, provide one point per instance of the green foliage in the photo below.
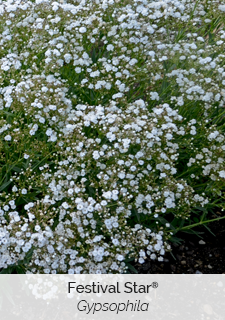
(95, 102)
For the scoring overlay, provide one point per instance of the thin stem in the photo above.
(197, 224)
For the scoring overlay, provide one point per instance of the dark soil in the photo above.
(196, 254)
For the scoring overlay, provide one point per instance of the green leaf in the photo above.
(129, 260)
(209, 230)
(8, 270)
(17, 169)
(136, 214)
(191, 231)
(5, 185)
(172, 255)
(20, 270)
(91, 191)
(8, 113)
(176, 240)
(28, 256)
(132, 268)
(201, 208)
(162, 220)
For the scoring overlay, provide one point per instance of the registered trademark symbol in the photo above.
(155, 285)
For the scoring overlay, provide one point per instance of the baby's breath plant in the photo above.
(112, 131)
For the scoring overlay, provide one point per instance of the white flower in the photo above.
(121, 175)
(95, 73)
(14, 189)
(82, 30)
(65, 205)
(169, 136)
(29, 205)
(78, 70)
(70, 191)
(222, 174)
(117, 95)
(32, 132)
(107, 195)
(24, 191)
(221, 7)
(67, 57)
(111, 136)
(52, 138)
(115, 224)
(132, 62)
(110, 47)
(37, 228)
(5, 67)
(80, 206)
(141, 260)
(49, 132)
(151, 53)
(167, 225)
(8, 138)
(26, 156)
(213, 135)
(155, 96)
(120, 257)
(12, 202)
(115, 242)
(96, 155)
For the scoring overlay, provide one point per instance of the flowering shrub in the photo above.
(112, 129)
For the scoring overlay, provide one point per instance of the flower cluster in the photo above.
(107, 129)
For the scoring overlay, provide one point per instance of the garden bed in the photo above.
(112, 134)
(196, 254)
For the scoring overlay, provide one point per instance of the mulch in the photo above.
(194, 255)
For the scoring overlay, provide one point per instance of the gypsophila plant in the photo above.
(112, 129)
